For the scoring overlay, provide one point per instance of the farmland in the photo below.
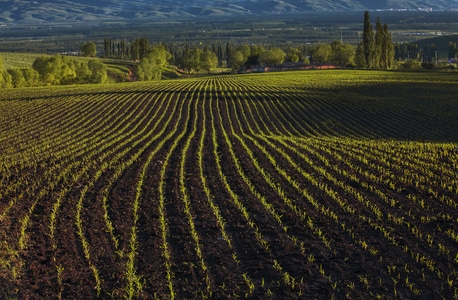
(289, 185)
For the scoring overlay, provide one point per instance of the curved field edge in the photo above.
(286, 185)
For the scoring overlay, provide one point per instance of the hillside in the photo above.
(16, 11)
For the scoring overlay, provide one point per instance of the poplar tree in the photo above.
(377, 50)
(368, 40)
(388, 46)
(107, 47)
(378, 46)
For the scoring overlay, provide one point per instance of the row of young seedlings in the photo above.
(248, 280)
(137, 135)
(234, 197)
(409, 221)
(425, 213)
(426, 260)
(287, 278)
(377, 211)
(353, 113)
(198, 95)
(32, 139)
(134, 282)
(296, 110)
(88, 138)
(433, 177)
(37, 159)
(363, 242)
(101, 169)
(64, 118)
(326, 211)
(122, 146)
(166, 251)
(221, 222)
(51, 182)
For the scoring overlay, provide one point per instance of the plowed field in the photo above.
(290, 185)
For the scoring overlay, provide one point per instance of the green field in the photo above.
(18, 60)
(298, 185)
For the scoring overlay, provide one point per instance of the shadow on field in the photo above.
(414, 111)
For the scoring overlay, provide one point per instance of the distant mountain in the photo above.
(22, 11)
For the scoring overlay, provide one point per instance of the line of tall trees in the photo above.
(121, 49)
(409, 51)
(198, 58)
(234, 57)
(376, 50)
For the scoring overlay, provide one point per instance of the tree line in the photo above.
(54, 70)
(376, 50)
(427, 54)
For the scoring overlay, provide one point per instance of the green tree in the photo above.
(5, 77)
(236, 59)
(150, 67)
(83, 74)
(139, 48)
(293, 54)
(67, 70)
(17, 78)
(160, 55)
(322, 54)
(368, 40)
(31, 77)
(1, 71)
(378, 50)
(5, 80)
(255, 50)
(107, 48)
(209, 60)
(272, 57)
(342, 54)
(49, 69)
(245, 49)
(239, 56)
(388, 48)
(63, 70)
(360, 59)
(193, 60)
(98, 71)
(89, 49)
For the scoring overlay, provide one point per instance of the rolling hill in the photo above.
(19, 11)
